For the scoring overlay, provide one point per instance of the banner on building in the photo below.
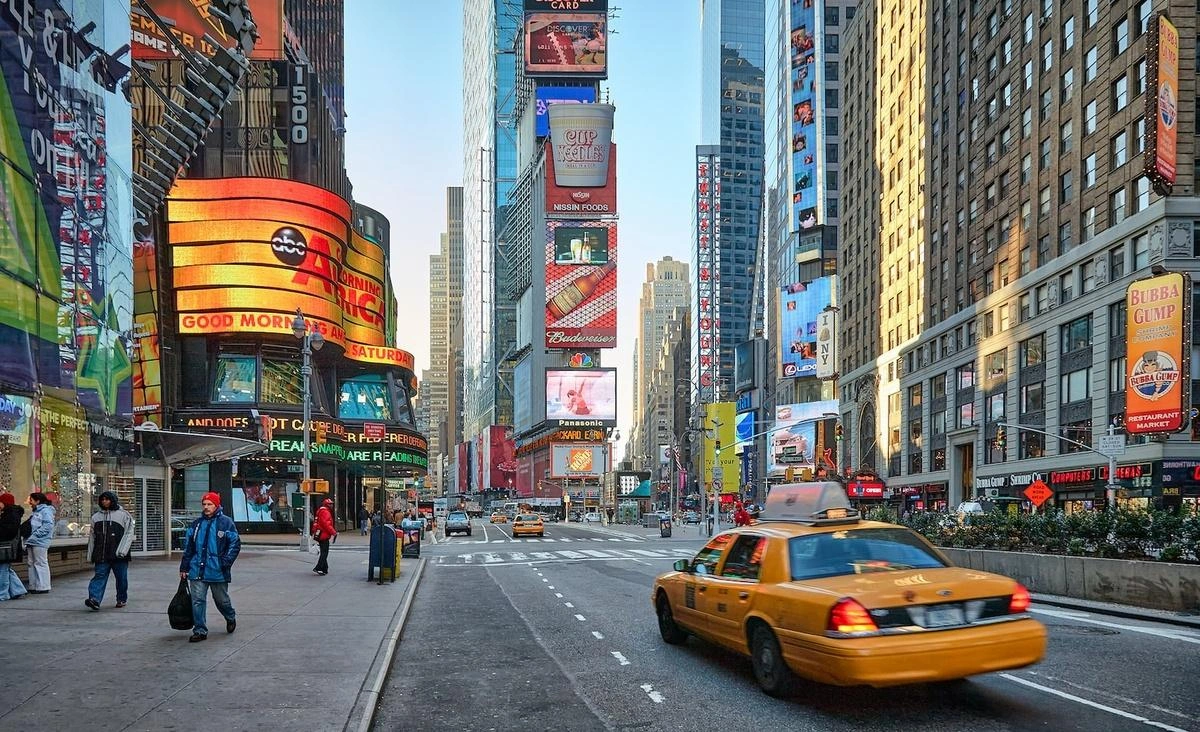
(1162, 102)
(200, 31)
(581, 284)
(569, 200)
(792, 442)
(581, 397)
(722, 469)
(800, 305)
(575, 460)
(566, 44)
(706, 321)
(1158, 354)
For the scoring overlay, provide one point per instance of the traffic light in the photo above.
(999, 438)
(837, 432)
(791, 475)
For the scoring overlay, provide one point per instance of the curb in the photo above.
(368, 695)
(1127, 613)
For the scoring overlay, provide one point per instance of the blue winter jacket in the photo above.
(42, 523)
(212, 547)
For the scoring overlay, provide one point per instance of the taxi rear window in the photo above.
(858, 551)
(528, 517)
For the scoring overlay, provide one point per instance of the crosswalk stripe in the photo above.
(647, 553)
(596, 553)
(518, 556)
(571, 554)
(543, 555)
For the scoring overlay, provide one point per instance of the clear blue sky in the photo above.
(404, 142)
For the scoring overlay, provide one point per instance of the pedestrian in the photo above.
(108, 549)
(212, 548)
(11, 586)
(364, 519)
(741, 517)
(37, 543)
(323, 531)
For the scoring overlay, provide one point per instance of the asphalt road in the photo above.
(559, 634)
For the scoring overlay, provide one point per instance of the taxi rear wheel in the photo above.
(770, 670)
(670, 632)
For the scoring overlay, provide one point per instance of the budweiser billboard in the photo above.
(581, 135)
(581, 284)
(573, 200)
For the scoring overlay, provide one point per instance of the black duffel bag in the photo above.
(180, 609)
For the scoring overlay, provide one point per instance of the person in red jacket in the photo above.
(741, 517)
(324, 532)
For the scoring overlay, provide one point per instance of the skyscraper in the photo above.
(732, 39)
(440, 382)
(666, 288)
(490, 28)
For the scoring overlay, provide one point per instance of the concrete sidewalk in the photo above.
(309, 652)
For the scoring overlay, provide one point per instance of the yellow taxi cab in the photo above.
(528, 523)
(813, 591)
(499, 518)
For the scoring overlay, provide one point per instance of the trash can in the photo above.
(664, 527)
(382, 554)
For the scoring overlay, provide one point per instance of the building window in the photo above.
(1116, 262)
(1048, 54)
(1089, 224)
(1066, 136)
(1139, 78)
(1089, 171)
(1068, 85)
(914, 396)
(1074, 386)
(1031, 445)
(1044, 202)
(1027, 36)
(1066, 188)
(1033, 397)
(1026, 265)
(832, 43)
(1033, 351)
(1046, 105)
(1141, 194)
(1091, 64)
(1116, 207)
(1145, 10)
(937, 386)
(831, 14)
(1026, 122)
(1116, 375)
(1026, 169)
(1139, 136)
(236, 380)
(994, 364)
(1043, 300)
(1066, 287)
(966, 376)
(1077, 336)
(1120, 149)
(1025, 313)
(1141, 252)
(1089, 118)
(966, 415)
(1120, 94)
(994, 407)
(1065, 241)
(1044, 154)
(281, 382)
(1120, 36)
(1091, 12)
(1080, 432)
(1089, 276)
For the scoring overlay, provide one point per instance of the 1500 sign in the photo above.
(299, 97)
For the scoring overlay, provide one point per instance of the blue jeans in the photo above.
(100, 580)
(10, 584)
(220, 593)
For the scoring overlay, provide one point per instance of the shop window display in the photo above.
(235, 380)
(364, 399)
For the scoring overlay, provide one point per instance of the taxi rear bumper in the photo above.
(517, 529)
(922, 657)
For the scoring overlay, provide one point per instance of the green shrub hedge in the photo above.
(1126, 533)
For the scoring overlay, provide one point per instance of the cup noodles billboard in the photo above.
(581, 135)
(246, 253)
(547, 95)
(191, 21)
(581, 284)
(577, 460)
(566, 44)
(574, 200)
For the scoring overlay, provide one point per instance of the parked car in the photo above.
(691, 517)
(591, 517)
(458, 522)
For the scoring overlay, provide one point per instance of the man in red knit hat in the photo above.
(212, 547)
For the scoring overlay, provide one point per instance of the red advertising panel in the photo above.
(568, 201)
(147, 364)
(502, 464)
(1158, 345)
(581, 284)
(463, 465)
(246, 253)
(1162, 101)
(191, 21)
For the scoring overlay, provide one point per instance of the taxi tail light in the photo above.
(1020, 600)
(849, 616)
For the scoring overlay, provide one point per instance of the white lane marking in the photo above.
(617, 655)
(570, 554)
(1116, 697)
(580, 618)
(1083, 618)
(568, 604)
(1090, 703)
(545, 580)
(548, 587)
(649, 553)
(598, 634)
(543, 555)
(597, 553)
(497, 541)
(655, 697)
(615, 539)
(518, 556)
(557, 594)
(566, 539)
(488, 558)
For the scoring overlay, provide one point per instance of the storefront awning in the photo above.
(184, 449)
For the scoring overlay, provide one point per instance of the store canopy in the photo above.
(642, 491)
(184, 449)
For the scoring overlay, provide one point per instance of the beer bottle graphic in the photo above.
(575, 293)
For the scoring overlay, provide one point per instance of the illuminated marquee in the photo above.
(248, 252)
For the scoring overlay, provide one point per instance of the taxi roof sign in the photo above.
(809, 503)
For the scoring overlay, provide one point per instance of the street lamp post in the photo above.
(310, 341)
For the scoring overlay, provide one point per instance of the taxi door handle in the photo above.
(743, 595)
(702, 588)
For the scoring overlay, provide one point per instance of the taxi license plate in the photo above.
(940, 617)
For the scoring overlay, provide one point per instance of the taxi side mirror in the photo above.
(682, 565)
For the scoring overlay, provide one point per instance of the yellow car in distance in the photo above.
(528, 523)
(499, 518)
(813, 591)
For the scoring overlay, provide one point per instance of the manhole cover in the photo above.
(1082, 629)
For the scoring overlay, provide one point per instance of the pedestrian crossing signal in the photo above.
(314, 485)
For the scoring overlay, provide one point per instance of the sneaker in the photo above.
(230, 626)
(92, 604)
(320, 572)
(120, 603)
(196, 638)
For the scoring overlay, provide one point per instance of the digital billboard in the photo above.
(793, 439)
(581, 397)
(722, 471)
(499, 457)
(575, 200)
(66, 233)
(581, 296)
(246, 253)
(800, 306)
(1158, 352)
(578, 460)
(147, 358)
(590, 6)
(804, 74)
(1162, 102)
(190, 22)
(566, 44)
(744, 427)
(547, 95)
